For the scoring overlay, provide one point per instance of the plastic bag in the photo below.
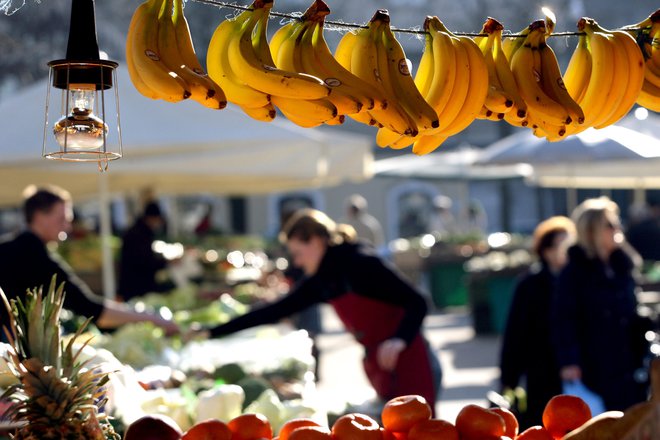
(577, 388)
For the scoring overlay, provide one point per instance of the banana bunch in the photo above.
(375, 56)
(253, 102)
(239, 59)
(604, 75)
(161, 57)
(503, 100)
(550, 108)
(453, 79)
(648, 36)
(300, 46)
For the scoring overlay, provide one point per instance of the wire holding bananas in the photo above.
(516, 79)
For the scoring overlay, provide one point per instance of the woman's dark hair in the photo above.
(307, 223)
(42, 200)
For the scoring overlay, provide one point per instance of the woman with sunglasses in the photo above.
(596, 325)
(382, 310)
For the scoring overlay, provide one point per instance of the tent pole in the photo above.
(571, 199)
(108, 268)
(639, 195)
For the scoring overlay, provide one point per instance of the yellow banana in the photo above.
(366, 119)
(305, 112)
(425, 70)
(445, 67)
(285, 52)
(133, 72)
(318, 58)
(498, 100)
(505, 76)
(600, 80)
(345, 98)
(620, 78)
(649, 97)
(220, 69)
(177, 52)
(477, 89)
(296, 53)
(281, 36)
(364, 65)
(577, 74)
(387, 138)
(427, 143)
(337, 120)
(391, 57)
(216, 97)
(265, 114)
(654, 34)
(634, 66)
(527, 70)
(461, 85)
(484, 113)
(543, 128)
(369, 95)
(262, 74)
(511, 44)
(344, 49)
(552, 83)
(144, 60)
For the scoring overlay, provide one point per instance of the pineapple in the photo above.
(57, 397)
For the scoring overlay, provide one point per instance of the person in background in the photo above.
(381, 309)
(598, 335)
(367, 227)
(476, 221)
(644, 232)
(527, 354)
(139, 264)
(442, 220)
(26, 263)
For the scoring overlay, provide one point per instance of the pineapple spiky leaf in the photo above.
(57, 396)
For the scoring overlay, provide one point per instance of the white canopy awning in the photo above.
(181, 148)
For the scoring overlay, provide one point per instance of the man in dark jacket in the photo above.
(26, 263)
(139, 263)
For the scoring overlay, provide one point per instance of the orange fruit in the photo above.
(311, 433)
(534, 433)
(212, 429)
(389, 435)
(401, 413)
(356, 426)
(477, 423)
(433, 429)
(250, 427)
(564, 413)
(290, 425)
(510, 421)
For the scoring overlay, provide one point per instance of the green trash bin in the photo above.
(500, 293)
(448, 284)
(490, 294)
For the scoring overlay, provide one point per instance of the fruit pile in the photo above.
(516, 79)
(409, 417)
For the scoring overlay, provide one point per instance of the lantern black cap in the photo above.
(83, 64)
(83, 44)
